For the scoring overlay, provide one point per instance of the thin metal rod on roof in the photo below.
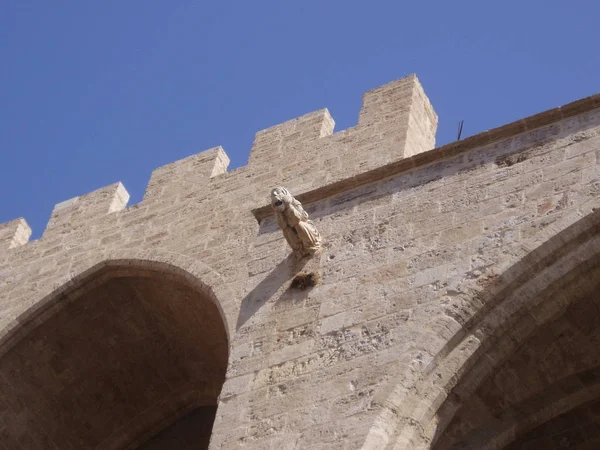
(460, 127)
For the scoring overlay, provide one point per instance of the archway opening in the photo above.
(133, 357)
(545, 393)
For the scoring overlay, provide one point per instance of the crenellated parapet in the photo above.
(396, 121)
(395, 132)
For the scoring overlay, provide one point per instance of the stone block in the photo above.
(14, 233)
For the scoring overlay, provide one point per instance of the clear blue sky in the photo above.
(94, 92)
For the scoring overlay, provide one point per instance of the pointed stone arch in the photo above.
(48, 299)
(150, 322)
(528, 295)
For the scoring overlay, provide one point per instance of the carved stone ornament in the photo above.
(299, 232)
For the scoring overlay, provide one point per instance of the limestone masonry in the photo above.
(453, 301)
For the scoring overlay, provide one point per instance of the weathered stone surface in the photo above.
(456, 305)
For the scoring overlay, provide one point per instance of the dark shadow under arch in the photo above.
(125, 350)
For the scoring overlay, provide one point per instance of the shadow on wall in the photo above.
(285, 271)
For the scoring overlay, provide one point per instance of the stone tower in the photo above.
(454, 302)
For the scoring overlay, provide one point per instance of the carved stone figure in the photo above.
(299, 232)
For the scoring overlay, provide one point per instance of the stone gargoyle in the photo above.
(299, 232)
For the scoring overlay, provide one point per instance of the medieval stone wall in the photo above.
(415, 239)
